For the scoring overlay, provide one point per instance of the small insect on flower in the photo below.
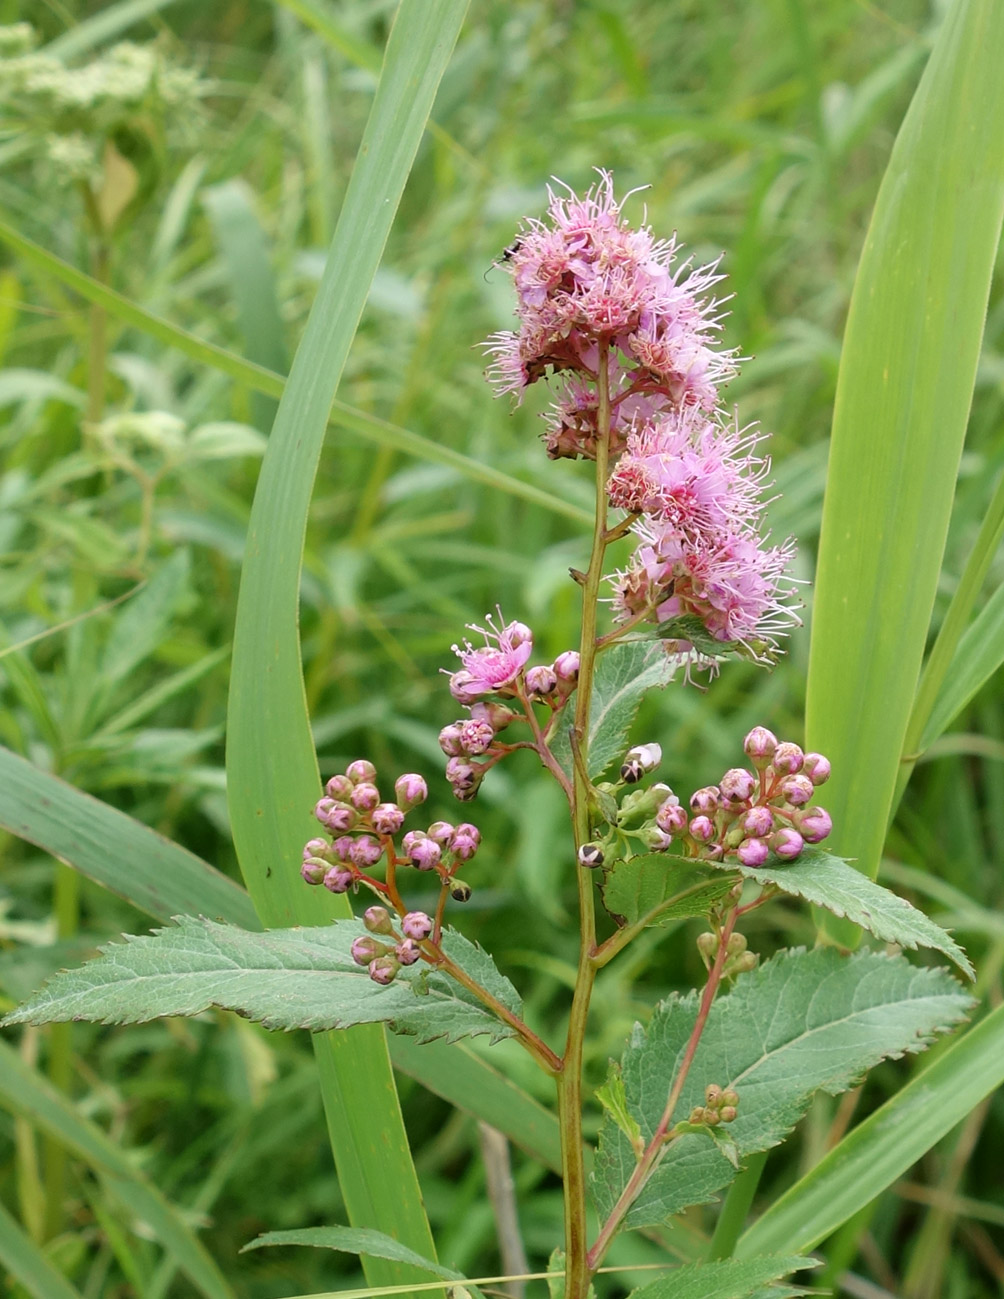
(507, 255)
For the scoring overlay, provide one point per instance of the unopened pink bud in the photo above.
(366, 851)
(817, 768)
(566, 666)
(322, 807)
(340, 817)
(316, 848)
(339, 787)
(814, 824)
(341, 849)
(313, 870)
(410, 790)
(713, 852)
(518, 633)
(384, 969)
(753, 852)
(416, 925)
(338, 879)
(412, 838)
(738, 784)
(451, 739)
(758, 822)
(797, 790)
(365, 797)
(365, 949)
(441, 831)
(377, 920)
(671, 817)
(760, 745)
(464, 846)
(708, 799)
(702, 828)
(787, 759)
(360, 771)
(476, 737)
(387, 818)
(657, 840)
(425, 855)
(498, 716)
(541, 682)
(407, 952)
(787, 844)
(463, 687)
(461, 773)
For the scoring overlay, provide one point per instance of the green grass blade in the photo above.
(903, 394)
(269, 382)
(25, 1263)
(272, 774)
(467, 1082)
(882, 1148)
(243, 247)
(959, 661)
(102, 26)
(104, 844)
(25, 1092)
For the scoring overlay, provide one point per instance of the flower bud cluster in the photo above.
(719, 1106)
(737, 959)
(491, 673)
(385, 959)
(750, 814)
(364, 829)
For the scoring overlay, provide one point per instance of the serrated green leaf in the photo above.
(353, 1240)
(614, 1101)
(657, 887)
(726, 1279)
(283, 978)
(624, 673)
(830, 882)
(802, 1022)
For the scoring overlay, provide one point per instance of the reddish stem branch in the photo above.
(653, 1151)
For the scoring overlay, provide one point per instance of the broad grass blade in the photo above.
(25, 1092)
(272, 773)
(107, 846)
(25, 1263)
(882, 1148)
(903, 394)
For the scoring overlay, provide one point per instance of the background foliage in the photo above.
(763, 130)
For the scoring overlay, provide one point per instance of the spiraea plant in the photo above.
(626, 332)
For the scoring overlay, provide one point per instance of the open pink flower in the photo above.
(495, 665)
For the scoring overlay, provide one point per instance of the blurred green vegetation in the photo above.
(761, 130)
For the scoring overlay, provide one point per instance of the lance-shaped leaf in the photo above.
(802, 1022)
(727, 1279)
(624, 673)
(657, 887)
(830, 882)
(353, 1240)
(283, 978)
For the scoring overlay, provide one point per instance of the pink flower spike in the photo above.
(494, 665)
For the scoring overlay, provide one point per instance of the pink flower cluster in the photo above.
(750, 814)
(589, 287)
(498, 668)
(586, 277)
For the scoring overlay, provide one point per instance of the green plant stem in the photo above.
(654, 1150)
(97, 332)
(577, 1273)
(66, 904)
